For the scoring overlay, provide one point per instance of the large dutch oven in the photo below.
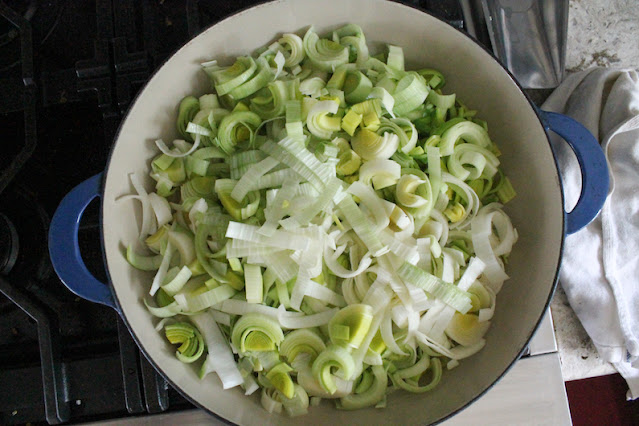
(472, 73)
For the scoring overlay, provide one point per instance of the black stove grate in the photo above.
(69, 71)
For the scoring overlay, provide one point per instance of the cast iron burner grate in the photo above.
(69, 71)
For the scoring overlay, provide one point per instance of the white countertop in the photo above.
(600, 33)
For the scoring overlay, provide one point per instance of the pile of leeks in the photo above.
(329, 225)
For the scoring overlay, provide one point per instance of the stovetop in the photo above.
(68, 72)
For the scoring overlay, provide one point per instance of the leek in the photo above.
(325, 222)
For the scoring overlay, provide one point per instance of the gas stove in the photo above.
(69, 71)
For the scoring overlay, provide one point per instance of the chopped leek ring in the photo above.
(371, 146)
(302, 341)
(350, 325)
(413, 386)
(189, 106)
(227, 79)
(395, 57)
(410, 93)
(350, 121)
(319, 123)
(236, 127)
(333, 362)
(382, 173)
(143, 263)
(295, 48)
(281, 380)
(356, 87)
(189, 338)
(256, 333)
(466, 329)
(466, 130)
(323, 54)
(406, 191)
(373, 394)
(297, 405)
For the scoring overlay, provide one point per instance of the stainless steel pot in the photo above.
(472, 73)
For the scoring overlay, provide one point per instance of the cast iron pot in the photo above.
(471, 72)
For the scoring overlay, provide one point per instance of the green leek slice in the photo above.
(189, 338)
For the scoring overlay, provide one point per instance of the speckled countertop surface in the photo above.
(600, 33)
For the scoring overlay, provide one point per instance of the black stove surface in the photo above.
(68, 72)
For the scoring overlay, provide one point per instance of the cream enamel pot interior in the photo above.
(477, 79)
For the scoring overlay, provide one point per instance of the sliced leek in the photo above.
(328, 225)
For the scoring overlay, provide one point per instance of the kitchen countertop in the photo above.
(600, 33)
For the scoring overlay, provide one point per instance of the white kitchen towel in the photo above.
(600, 268)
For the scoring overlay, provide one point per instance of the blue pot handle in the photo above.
(594, 168)
(64, 249)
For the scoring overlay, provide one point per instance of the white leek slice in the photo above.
(183, 243)
(176, 153)
(469, 162)
(447, 292)
(199, 208)
(280, 61)
(386, 328)
(253, 283)
(270, 400)
(158, 279)
(473, 271)
(487, 313)
(161, 208)
(281, 265)
(312, 87)
(404, 250)
(361, 226)
(321, 203)
(304, 286)
(481, 233)
(280, 238)
(176, 284)
(373, 203)
(247, 183)
(220, 357)
(199, 302)
(381, 173)
(279, 207)
(293, 153)
(387, 99)
(291, 321)
(469, 197)
(167, 311)
(406, 191)
(148, 226)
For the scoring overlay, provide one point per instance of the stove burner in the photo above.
(9, 245)
(23, 230)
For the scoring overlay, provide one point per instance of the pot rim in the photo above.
(261, 3)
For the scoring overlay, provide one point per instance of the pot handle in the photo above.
(592, 162)
(64, 249)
